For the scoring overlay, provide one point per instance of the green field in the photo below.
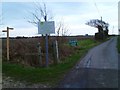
(54, 73)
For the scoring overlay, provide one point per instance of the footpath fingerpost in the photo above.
(8, 57)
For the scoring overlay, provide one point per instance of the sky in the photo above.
(73, 14)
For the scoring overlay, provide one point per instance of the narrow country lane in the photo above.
(0, 63)
(0, 48)
(98, 69)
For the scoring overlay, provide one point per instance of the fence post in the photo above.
(40, 54)
(57, 52)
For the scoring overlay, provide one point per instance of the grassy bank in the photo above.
(118, 44)
(54, 73)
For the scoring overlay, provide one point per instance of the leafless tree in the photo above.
(39, 12)
(101, 25)
(62, 28)
(102, 28)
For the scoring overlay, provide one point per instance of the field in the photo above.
(69, 56)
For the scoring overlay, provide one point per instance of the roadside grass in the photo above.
(118, 44)
(54, 73)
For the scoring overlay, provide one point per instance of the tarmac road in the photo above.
(98, 69)
(0, 48)
(0, 64)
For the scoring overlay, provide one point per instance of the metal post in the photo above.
(102, 29)
(46, 38)
(47, 50)
(101, 18)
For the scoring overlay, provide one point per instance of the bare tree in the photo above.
(102, 28)
(101, 25)
(62, 28)
(40, 12)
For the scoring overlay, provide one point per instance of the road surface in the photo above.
(0, 48)
(0, 64)
(98, 69)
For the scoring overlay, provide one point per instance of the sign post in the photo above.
(46, 28)
(46, 50)
(46, 46)
(8, 58)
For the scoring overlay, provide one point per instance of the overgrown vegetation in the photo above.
(25, 50)
(54, 73)
(118, 44)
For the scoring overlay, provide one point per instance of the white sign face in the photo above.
(46, 27)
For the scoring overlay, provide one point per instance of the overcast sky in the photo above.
(73, 13)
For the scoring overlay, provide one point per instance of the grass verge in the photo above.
(54, 73)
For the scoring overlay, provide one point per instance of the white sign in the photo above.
(46, 27)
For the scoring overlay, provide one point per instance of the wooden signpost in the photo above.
(8, 58)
